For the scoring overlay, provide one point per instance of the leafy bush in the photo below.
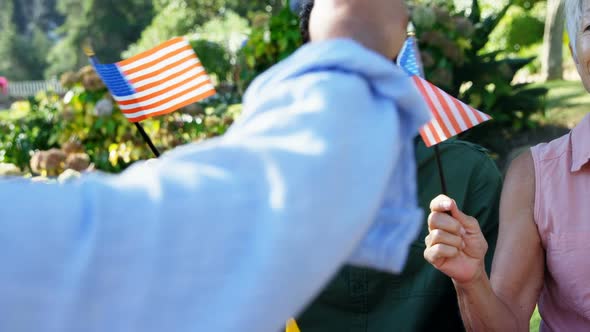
(525, 30)
(176, 19)
(453, 51)
(214, 58)
(110, 25)
(88, 117)
(457, 53)
(271, 40)
(520, 32)
(172, 20)
(33, 129)
(214, 42)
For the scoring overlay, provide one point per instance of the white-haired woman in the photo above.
(543, 244)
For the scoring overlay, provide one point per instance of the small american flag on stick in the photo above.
(157, 81)
(450, 115)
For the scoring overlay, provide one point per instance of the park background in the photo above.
(507, 58)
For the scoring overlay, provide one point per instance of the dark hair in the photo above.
(304, 20)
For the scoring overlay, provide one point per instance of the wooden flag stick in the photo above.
(441, 174)
(147, 139)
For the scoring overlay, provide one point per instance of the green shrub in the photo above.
(525, 30)
(271, 40)
(215, 59)
(88, 117)
(453, 51)
(171, 21)
(34, 129)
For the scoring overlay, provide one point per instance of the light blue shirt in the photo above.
(234, 234)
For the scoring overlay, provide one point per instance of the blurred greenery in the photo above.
(109, 25)
(43, 38)
(271, 40)
(41, 131)
(22, 46)
(459, 56)
(214, 58)
(471, 48)
(567, 104)
(228, 29)
(30, 126)
(87, 117)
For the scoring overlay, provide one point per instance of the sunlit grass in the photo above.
(567, 103)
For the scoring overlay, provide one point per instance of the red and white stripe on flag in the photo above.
(162, 80)
(450, 115)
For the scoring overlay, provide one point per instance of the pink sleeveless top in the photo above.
(562, 215)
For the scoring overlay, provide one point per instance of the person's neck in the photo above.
(347, 30)
(345, 21)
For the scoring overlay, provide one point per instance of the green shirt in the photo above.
(420, 298)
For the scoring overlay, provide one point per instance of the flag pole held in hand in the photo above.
(450, 116)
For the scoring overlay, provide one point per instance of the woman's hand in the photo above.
(455, 244)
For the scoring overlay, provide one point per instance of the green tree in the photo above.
(209, 8)
(248, 8)
(110, 25)
(24, 40)
(270, 42)
(215, 42)
(7, 37)
(552, 57)
(31, 14)
(172, 19)
(183, 17)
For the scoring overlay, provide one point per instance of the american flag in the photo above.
(450, 116)
(157, 81)
(409, 57)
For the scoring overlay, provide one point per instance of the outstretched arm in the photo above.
(238, 232)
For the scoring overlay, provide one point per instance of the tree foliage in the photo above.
(454, 48)
(26, 38)
(110, 26)
(89, 118)
(44, 38)
(203, 17)
(270, 41)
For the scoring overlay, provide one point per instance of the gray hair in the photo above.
(573, 18)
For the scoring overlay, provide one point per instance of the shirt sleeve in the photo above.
(237, 233)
